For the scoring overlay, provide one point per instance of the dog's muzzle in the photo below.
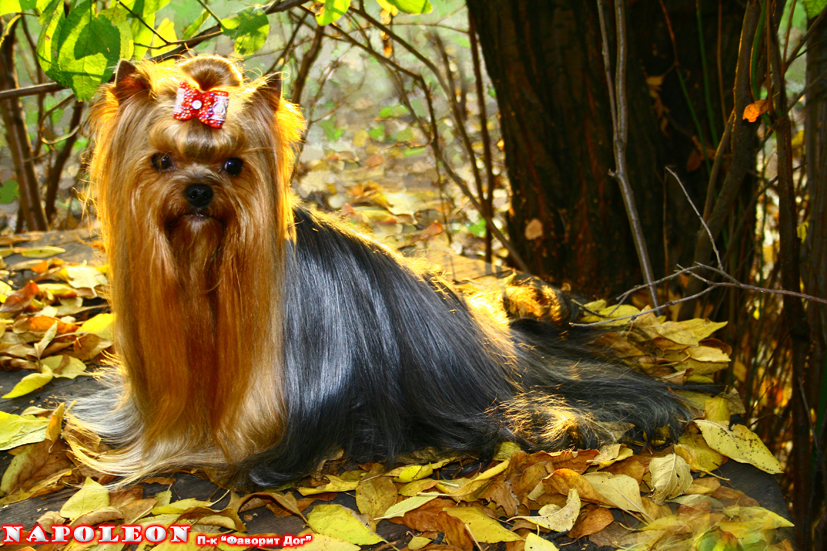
(199, 196)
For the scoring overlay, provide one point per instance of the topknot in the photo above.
(212, 71)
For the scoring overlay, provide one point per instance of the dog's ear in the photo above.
(128, 81)
(269, 90)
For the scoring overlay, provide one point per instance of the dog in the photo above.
(256, 338)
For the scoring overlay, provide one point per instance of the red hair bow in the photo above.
(210, 106)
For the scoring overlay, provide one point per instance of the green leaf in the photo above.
(478, 228)
(411, 151)
(412, 6)
(377, 133)
(51, 21)
(16, 6)
(404, 135)
(331, 132)
(119, 17)
(249, 28)
(814, 7)
(393, 111)
(89, 49)
(145, 9)
(194, 27)
(9, 192)
(332, 11)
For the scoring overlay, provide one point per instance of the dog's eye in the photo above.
(233, 166)
(161, 161)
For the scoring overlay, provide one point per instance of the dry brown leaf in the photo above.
(423, 519)
(631, 467)
(731, 496)
(620, 491)
(592, 519)
(99, 516)
(534, 229)
(574, 460)
(137, 509)
(556, 518)
(522, 483)
(454, 530)
(563, 480)
(756, 109)
(35, 463)
(501, 494)
(671, 477)
(374, 496)
(19, 300)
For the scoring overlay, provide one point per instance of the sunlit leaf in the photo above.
(407, 505)
(180, 506)
(332, 11)
(740, 444)
(335, 484)
(100, 325)
(412, 6)
(620, 490)
(30, 383)
(64, 367)
(52, 18)
(342, 523)
(16, 6)
(374, 495)
(16, 430)
(142, 32)
(90, 497)
(756, 109)
(533, 542)
(697, 453)
(484, 528)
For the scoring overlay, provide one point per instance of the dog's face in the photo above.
(181, 178)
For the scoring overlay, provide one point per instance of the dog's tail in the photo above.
(572, 394)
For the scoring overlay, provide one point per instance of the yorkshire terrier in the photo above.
(256, 338)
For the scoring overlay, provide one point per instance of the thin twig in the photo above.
(620, 123)
(698, 214)
(488, 200)
(711, 285)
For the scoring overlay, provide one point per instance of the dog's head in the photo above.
(180, 148)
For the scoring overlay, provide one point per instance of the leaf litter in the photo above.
(55, 325)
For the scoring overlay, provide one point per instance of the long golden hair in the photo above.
(196, 295)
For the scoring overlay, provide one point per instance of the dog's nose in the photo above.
(198, 195)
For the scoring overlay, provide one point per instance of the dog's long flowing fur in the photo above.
(255, 338)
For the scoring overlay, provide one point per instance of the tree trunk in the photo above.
(814, 265)
(567, 218)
